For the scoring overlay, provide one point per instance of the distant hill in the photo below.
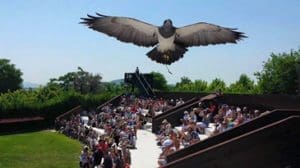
(30, 85)
(117, 81)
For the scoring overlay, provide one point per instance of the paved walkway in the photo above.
(147, 152)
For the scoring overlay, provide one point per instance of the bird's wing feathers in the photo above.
(124, 29)
(205, 34)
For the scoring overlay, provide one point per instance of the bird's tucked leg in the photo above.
(167, 57)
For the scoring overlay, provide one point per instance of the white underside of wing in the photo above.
(165, 44)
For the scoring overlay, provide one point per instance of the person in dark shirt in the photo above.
(117, 159)
(116, 136)
(107, 163)
(213, 110)
(97, 155)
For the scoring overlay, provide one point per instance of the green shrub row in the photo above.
(47, 102)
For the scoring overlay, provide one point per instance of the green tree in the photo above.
(81, 81)
(184, 80)
(10, 76)
(199, 86)
(217, 85)
(159, 81)
(185, 84)
(243, 85)
(114, 88)
(279, 74)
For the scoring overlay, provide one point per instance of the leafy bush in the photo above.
(47, 102)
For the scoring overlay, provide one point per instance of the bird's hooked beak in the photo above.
(168, 22)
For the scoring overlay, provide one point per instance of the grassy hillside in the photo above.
(42, 149)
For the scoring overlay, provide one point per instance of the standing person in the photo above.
(126, 154)
(108, 162)
(132, 138)
(116, 136)
(117, 160)
(97, 155)
(137, 70)
(103, 146)
(84, 158)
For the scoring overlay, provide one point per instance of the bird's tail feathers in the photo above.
(167, 57)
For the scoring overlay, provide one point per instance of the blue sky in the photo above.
(44, 39)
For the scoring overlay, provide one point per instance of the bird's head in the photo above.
(168, 23)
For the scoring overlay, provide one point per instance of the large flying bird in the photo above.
(170, 42)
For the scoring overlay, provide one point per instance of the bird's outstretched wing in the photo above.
(205, 34)
(124, 29)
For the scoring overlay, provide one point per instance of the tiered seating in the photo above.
(238, 122)
(271, 134)
(174, 115)
(244, 128)
(274, 145)
(109, 132)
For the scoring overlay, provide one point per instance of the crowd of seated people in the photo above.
(200, 123)
(119, 124)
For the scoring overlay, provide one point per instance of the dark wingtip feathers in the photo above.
(239, 35)
(98, 14)
(91, 19)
